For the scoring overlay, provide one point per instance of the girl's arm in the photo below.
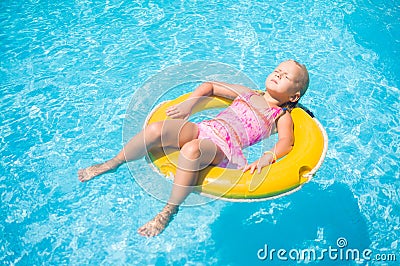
(282, 147)
(226, 90)
(221, 89)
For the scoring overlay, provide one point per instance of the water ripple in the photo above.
(68, 70)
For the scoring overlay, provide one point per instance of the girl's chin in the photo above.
(270, 85)
(269, 90)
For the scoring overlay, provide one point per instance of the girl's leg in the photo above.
(172, 133)
(194, 155)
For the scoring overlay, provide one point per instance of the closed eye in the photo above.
(286, 76)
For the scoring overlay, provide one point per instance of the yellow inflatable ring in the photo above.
(282, 177)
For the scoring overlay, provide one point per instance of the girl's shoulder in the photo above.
(284, 119)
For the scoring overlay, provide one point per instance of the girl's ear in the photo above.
(295, 97)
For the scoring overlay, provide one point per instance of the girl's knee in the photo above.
(154, 129)
(191, 149)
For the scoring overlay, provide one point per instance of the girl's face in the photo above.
(283, 83)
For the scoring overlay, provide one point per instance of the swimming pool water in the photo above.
(68, 71)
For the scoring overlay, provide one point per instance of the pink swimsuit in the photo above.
(237, 127)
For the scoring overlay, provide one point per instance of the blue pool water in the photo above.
(69, 70)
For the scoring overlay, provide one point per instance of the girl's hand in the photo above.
(265, 160)
(181, 110)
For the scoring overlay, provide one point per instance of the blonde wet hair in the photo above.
(304, 81)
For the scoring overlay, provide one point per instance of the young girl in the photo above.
(251, 117)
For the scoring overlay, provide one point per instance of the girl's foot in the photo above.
(160, 222)
(98, 169)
